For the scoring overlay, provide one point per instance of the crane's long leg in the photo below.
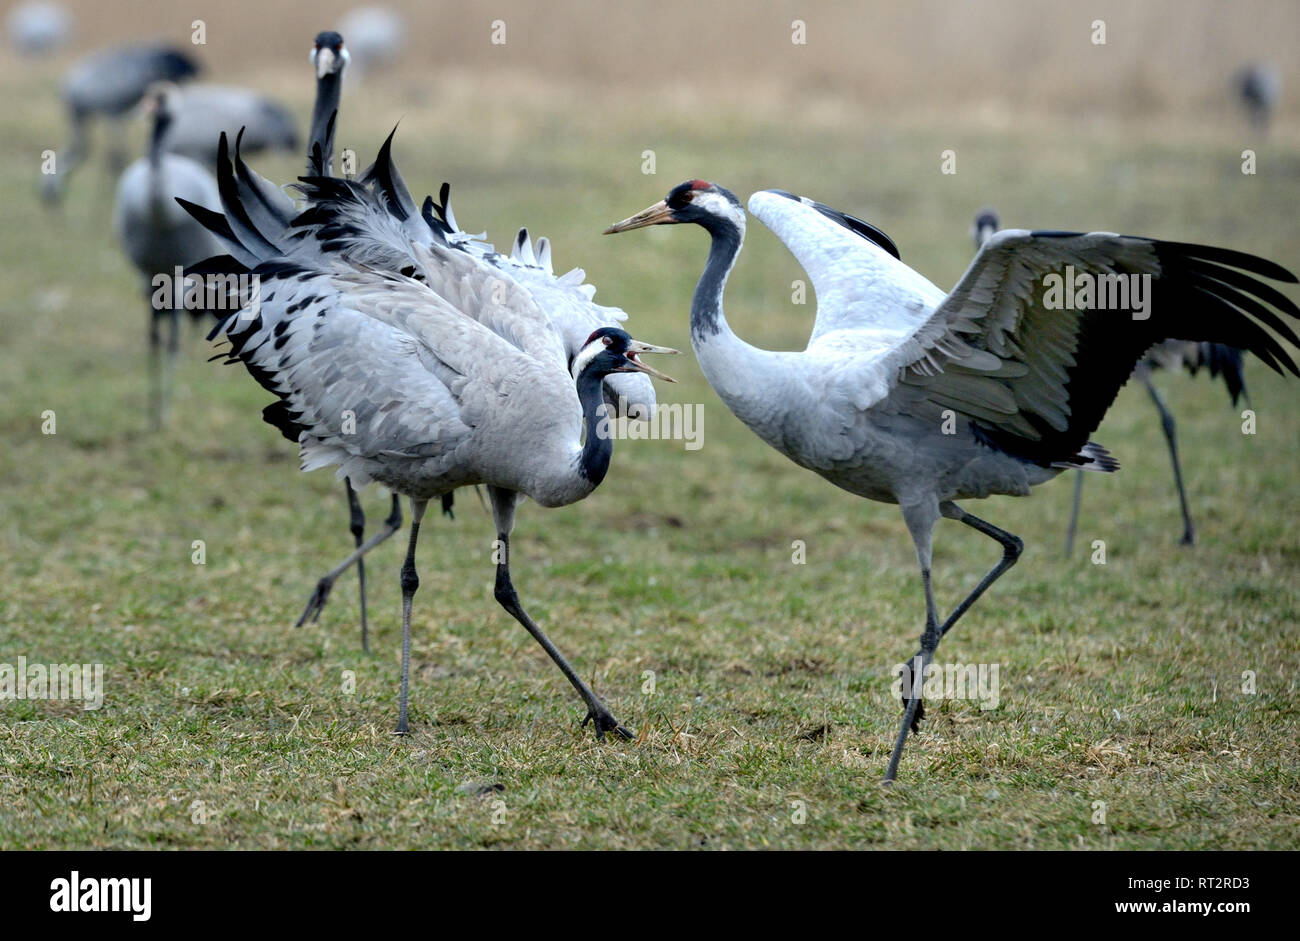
(155, 370)
(1169, 427)
(410, 582)
(1074, 512)
(357, 524)
(597, 712)
(920, 519)
(1012, 546)
(66, 161)
(116, 134)
(322, 592)
(169, 365)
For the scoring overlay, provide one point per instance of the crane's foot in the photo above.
(316, 603)
(1189, 538)
(604, 722)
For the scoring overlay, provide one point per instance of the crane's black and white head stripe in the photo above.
(698, 201)
(610, 350)
(987, 219)
(328, 54)
(160, 103)
(707, 204)
(986, 223)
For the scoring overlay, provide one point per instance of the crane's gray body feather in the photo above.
(377, 224)
(456, 404)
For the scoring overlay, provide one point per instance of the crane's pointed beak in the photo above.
(324, 61)
(658, 214)
(635, 348)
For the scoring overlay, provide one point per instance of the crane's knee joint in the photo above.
(1012, 548)
(506, 596)
(504, 592)
(410, 580)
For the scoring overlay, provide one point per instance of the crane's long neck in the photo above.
(160, 204)
(323, 118)
(157, 136)
(598, 446)
(730, 365)
(707, 319)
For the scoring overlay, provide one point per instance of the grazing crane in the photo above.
(109, 84)
(453, 375)
(38, 28)
(911, 396)
(158, 236)
(1259, 86)
(376, 36)
(1218, 358)
(204, 111)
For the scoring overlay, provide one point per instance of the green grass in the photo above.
(1120, 683)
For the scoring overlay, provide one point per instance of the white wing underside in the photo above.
(886, 338)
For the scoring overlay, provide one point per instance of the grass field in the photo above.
(1120, 683)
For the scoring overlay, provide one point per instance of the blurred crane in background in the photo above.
(160, 237)
(38, 28)
(376, 36)
(1259, 86)
(109, 84)
(204, 111)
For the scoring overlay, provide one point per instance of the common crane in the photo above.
(109, 84)
(454, 375)
(160, 237)
(911, 396)
(204, 111)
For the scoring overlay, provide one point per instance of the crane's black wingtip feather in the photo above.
(852, 223)
(1227, 256)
